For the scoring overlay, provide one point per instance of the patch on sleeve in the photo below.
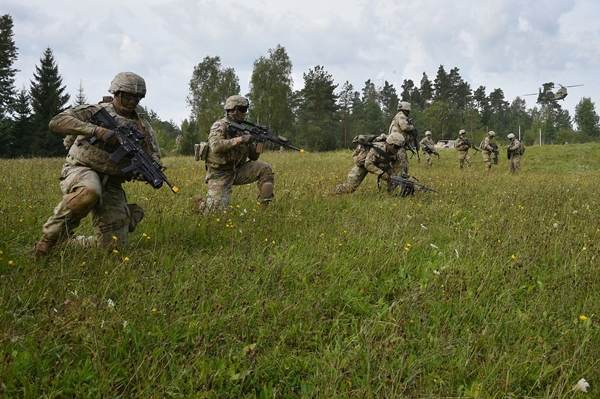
(216, 126)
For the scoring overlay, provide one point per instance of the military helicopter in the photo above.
(546, 93)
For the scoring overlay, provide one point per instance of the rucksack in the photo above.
(366, 139)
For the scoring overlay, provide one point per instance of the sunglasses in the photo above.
(242, 109)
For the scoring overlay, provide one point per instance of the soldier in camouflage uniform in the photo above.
(90, 181)
(514, 151)
(489, 150)
(402, 125)
(428, 147)
(378, 157)
(232, 160)
(462, 146)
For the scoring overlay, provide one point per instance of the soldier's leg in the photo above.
(113, 216)
(219, 191)
(461, 159)
(403, 161)
(82, 188)
(487, 160)
(261, 173)
(355, 177)
(428, 159)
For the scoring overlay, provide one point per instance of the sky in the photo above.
(510, 44)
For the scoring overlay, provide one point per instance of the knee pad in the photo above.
(266, 174)
(81, 201)
(266, 192)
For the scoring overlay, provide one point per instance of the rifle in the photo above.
(261, 134)
(131, 149)
(431, 151)
(407, 185)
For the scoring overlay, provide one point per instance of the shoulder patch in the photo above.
(216, 125)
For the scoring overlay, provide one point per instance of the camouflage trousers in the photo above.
(428, 158)
(356, 176)
(220, 183)
(85, 191)
(463, 158)
(515, 163)
(487, 159)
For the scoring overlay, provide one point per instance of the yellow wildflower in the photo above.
(583, 317)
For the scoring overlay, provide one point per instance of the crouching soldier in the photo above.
(90, 181)
(232, 160)
(382, 159)
(428, 147)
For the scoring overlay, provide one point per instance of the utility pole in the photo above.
(540, 137)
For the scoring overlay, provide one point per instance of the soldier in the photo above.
(402, 125)
(428, 148)
(232, 160)
(462, 146)
(489, 150)
(382, 150)
(514, 151)
(90, 181)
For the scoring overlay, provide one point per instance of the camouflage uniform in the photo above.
(515, 150)
(462, 146)
(488, 150)
(91, 182)
(428, 147)
(402, 125)
(231, 164)
(376, 155)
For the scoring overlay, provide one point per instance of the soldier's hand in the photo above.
(246, 138)
(106, 135)
(384, 176)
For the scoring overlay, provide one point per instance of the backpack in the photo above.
(521, 148)
(366, 139)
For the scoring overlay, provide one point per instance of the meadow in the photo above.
(489, 288)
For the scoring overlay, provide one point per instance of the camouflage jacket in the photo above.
(428, 145)
(76, 122)
(462, 144)
(515, 148)
(379, 161)
(486, 145)
(223, 153)
(401, 124)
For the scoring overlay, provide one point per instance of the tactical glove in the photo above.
(106, 135)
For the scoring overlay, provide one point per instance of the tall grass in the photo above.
(490, 288)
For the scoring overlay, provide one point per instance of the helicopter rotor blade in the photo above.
(530, 94)
(574, 86)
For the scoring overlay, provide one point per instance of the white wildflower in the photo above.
(456, 252)
(423, 226)
(434, 246)
(125, 323)
(110, 303)
(581, 386)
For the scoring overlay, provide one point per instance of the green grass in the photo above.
(476, 291)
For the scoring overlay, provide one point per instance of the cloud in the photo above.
(496, 43)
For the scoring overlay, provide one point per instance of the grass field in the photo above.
(488, 289)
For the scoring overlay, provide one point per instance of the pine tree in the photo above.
(22, 124)
(48, 98)
(80, 99)
(588, 122)
(210, 86)
(426, 90)
(345, 110)
(389, 101)
(317, 112)
(8, 56)
(441, 84)
(271, 90)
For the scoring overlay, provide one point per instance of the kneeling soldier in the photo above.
(232, 160)
(89, 180)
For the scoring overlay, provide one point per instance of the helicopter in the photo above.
(546, 93)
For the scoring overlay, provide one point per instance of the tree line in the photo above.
(322, 116)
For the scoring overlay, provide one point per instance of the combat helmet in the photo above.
(428, 133)
(404, 106)
(395, 139)
(510, 136)
(128, 82)
(491, 133)
(462, 132)
(236, 101)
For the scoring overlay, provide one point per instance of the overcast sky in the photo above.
(511, 44)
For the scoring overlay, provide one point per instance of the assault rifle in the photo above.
(471, 145)
(130, 151)
(431, 151)
(261, 134)
(407, 184)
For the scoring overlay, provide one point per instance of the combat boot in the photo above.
(43, 247)
(265, 195)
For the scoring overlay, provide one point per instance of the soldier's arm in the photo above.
(74, 121)
(370, 163)
(253, 154)
(514, 145)
(153, 143)
(217, 138)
